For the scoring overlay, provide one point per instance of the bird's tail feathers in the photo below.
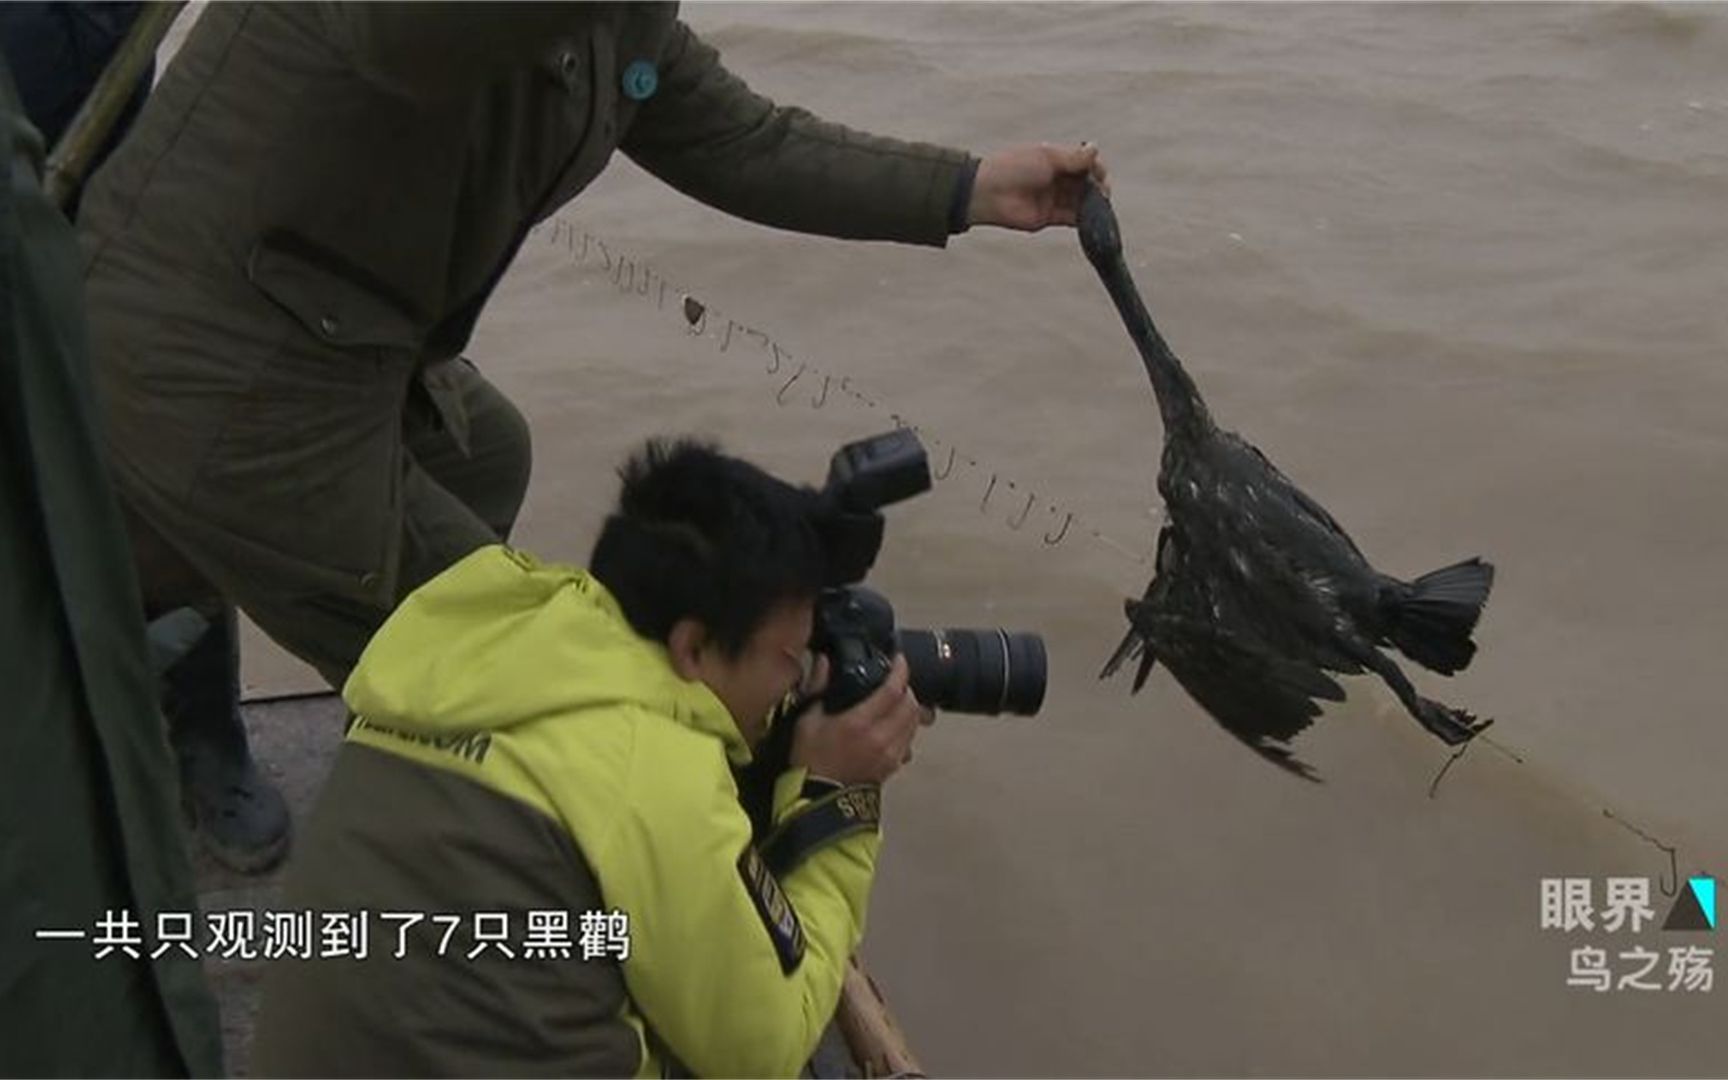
(1435, 616)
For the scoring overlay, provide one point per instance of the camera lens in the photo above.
(976, 671)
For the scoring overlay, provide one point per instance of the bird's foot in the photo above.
(1450, 726)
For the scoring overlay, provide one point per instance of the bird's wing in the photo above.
(1304, 501)
(1314, 622)
(1321, 514)
(1132, 645)
(1263, 699)
(1157, 592)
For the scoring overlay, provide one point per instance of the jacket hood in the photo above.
(501, 639)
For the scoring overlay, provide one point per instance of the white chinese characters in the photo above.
(347, 935)
(1567, 905)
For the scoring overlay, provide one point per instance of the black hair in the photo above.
(703, 535)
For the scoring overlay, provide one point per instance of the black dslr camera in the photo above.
(970, 671)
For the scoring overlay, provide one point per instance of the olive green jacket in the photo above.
(371, 169)
(316, 203)
(518, 748)
(89, 816)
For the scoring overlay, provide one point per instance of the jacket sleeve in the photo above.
(710, 136)
(432, 51)
(705, 969)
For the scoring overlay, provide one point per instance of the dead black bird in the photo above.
(1257, 592)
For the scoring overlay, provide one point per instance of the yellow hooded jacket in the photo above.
(518, 747)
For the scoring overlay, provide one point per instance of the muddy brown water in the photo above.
(1459, 270)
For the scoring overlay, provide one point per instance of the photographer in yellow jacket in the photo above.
(535, 818)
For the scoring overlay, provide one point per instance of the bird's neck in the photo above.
(1179, 401)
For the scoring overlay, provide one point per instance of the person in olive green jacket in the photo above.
(535, 742)
(288, 255)
(88, 816)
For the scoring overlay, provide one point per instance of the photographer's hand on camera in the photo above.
(866, 743)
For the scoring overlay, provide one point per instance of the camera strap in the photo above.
(842, 812)
(778, 917)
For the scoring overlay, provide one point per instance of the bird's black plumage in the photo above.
(1257, 592)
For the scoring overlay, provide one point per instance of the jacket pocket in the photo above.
(305, 472)
(334, 302)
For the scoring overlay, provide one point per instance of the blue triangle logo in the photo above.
(1695, 906)
(1704, 889)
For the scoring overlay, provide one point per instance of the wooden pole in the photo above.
(875, 1040)
(84, 137)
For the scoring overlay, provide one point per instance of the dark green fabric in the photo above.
(338, 488)
(306, 221)
(342, 161)
(391, 835)
(88, 817)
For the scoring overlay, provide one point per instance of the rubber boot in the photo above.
(239, 816)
